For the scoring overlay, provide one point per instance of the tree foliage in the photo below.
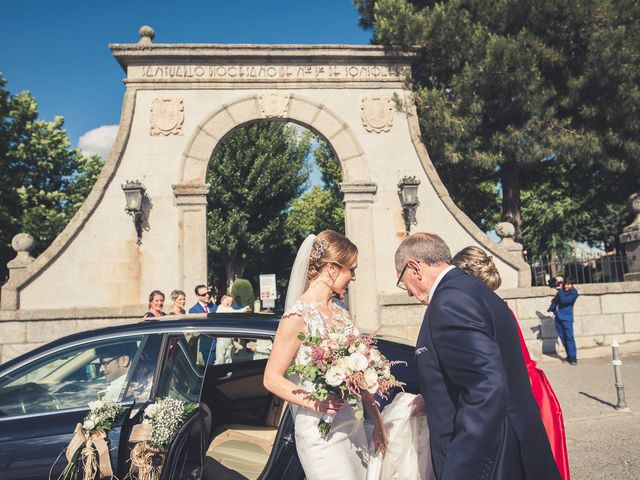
(255, 173)
(504, 87)
(320, 208)
(44, 180)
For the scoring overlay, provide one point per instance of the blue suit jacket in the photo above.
(197, 308)
(562, 304)
(483, 420)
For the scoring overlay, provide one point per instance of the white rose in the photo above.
(362, 348)
(304, 355)
(357, 361)
(371, 379)
(352, 348)
(308, 386)
(343, 363)
(374, 355)
(335, 376)
(96, 404)
(89, 425)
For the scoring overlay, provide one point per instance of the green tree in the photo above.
(255, 174)
(502, 87)
(44, 180)
(320, 208)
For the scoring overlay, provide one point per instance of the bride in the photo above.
(324, 266)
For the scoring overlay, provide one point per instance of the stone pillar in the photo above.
(630, 238)
(358, 214)
(22, 243)
(192, 234)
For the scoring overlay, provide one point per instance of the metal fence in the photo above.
(584, 268)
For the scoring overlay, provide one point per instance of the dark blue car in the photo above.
(239, 430)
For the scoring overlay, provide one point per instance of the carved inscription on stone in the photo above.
(167, 116)
(274, 105)
(376, 114)
(388, 72)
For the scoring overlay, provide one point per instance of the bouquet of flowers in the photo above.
(162, 420)
(342, 364)
(88, 453)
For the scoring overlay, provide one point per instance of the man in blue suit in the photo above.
(562, 307)
(483, 420)
(204, 305)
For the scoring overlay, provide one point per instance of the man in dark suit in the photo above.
(483, 420)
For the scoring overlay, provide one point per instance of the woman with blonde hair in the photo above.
(475, 261)
(178, 299)
(324, 267)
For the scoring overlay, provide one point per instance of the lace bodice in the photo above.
(317, 322)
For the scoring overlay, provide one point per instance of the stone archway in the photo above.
(180, 100)
(191, 192)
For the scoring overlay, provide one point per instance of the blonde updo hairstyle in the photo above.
(475, 261)
(328, 248)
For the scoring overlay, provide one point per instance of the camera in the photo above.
(554, 283)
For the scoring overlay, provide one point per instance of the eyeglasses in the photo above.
(106, 362)
(399, 283)
(205, 294)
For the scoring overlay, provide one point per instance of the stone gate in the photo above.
(180, 101)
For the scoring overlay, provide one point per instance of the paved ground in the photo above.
(603, 443)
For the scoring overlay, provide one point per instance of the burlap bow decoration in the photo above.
(95, 453)
(146, 461)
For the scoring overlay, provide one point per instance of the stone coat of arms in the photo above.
(376, 114)
(274, 105)
(167, 116)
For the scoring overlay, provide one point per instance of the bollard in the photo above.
(617, 371)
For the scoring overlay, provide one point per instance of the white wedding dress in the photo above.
(344, 454)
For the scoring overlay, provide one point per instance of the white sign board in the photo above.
(268, 287)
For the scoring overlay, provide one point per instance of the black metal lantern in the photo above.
(134, 193)
(408, 194)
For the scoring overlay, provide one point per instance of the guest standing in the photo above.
(562, 307)
(178, 298)
(203, 305)
(156, 303)
(475, 261)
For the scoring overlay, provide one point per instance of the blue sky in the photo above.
(59, 50)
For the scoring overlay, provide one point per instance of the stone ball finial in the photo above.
(633, 204)
(505, 230)
(147, 34)
(23, 242)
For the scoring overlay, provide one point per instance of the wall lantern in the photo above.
(134, 192)
(408, 193)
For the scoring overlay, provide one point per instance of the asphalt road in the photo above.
(603, 443)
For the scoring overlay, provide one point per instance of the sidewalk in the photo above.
(603, 443)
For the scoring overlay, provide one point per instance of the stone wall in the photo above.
(603, 312)
(21, 331)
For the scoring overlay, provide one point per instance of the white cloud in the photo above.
(98, 141)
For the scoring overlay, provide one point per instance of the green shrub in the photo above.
(243, 288)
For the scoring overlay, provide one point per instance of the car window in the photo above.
(183, 366)
(70, 378)
(241, 349)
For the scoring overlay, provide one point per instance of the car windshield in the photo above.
(70, 377)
